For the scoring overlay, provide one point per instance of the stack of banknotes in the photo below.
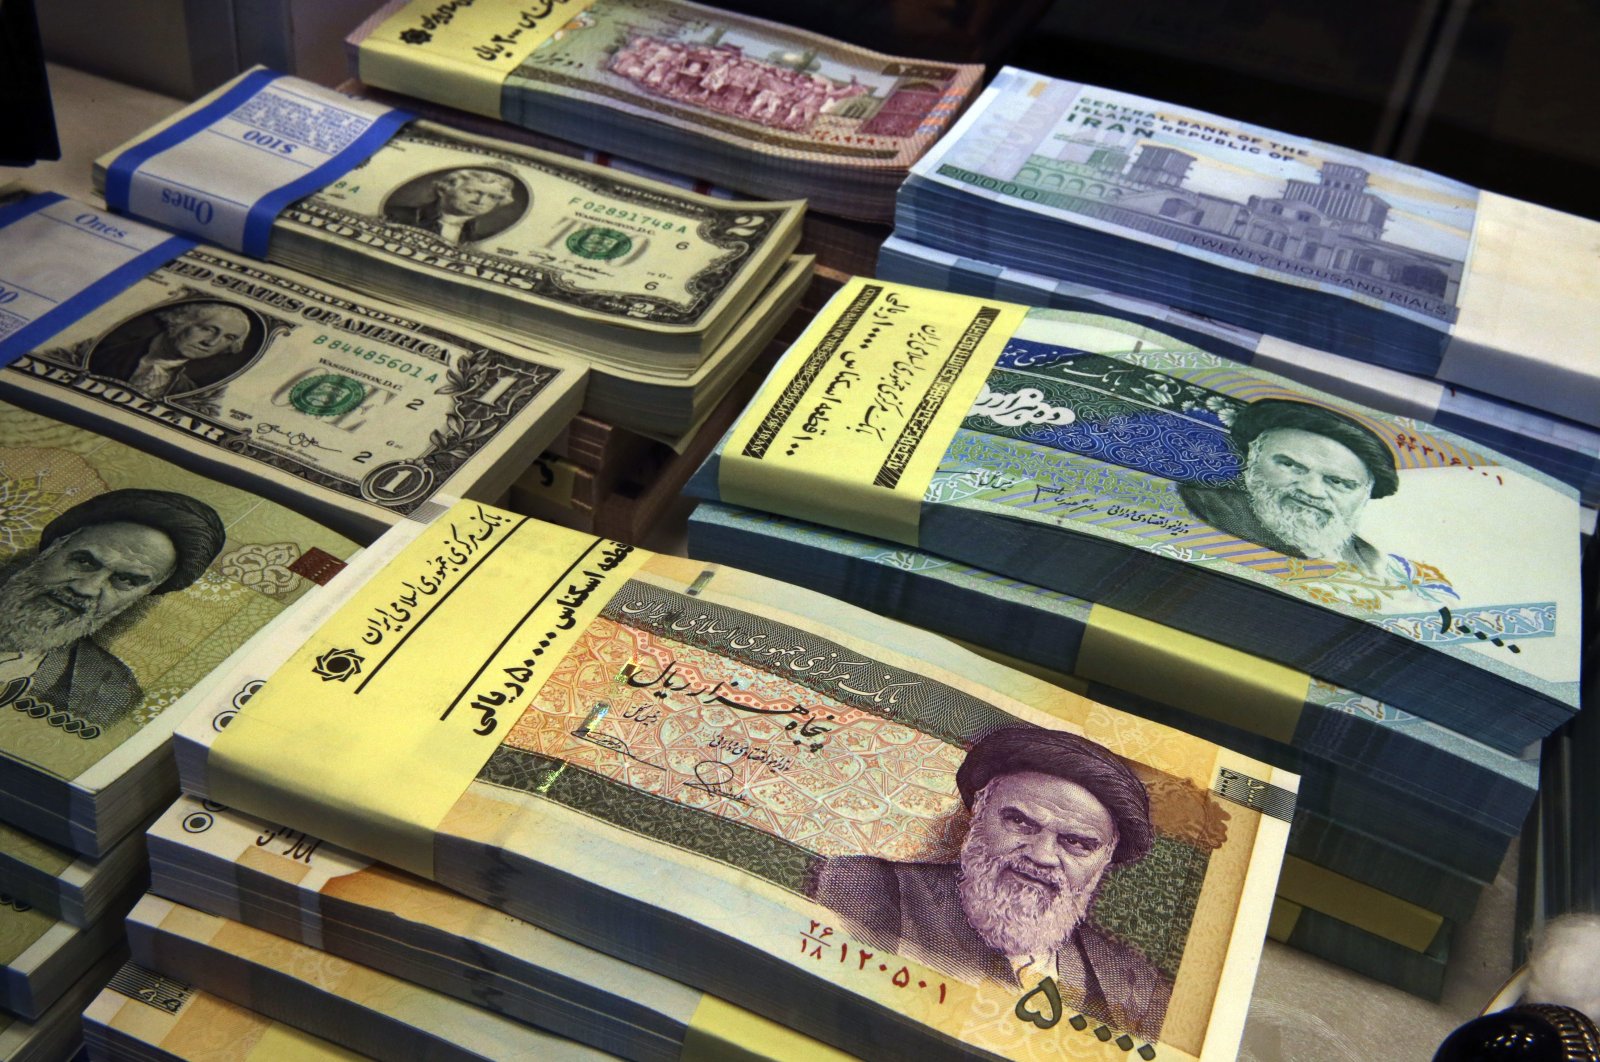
(1563, 448)
(844, 244)
(770, 110)
(1092, 496)
(125, 580)
(1284, 236)
(667, 294)
(816, 782)
(346, 407)
(57, 1032)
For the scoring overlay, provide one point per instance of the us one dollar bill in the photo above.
(812, 778)
(618, 268)
(353, 1006)
(289, 882)
(124, 580)
(349, 408)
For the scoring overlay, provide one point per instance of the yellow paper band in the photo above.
(285, 1043)
(1359, 905)
(396, 703)
(850, 427)
(1185, 670)
(1284, 916)
(462, 58)
(722, 1032)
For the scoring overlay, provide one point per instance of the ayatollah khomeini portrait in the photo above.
(1308, 473)
(1051, 813)
(96, 562)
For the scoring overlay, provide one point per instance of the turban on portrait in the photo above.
(1268, 413)
(1015, 749)
(193, 526)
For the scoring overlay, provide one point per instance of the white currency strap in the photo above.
(223, 172)
(59, 259)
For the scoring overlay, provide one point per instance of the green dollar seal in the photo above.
(328, 395)
(596, 242)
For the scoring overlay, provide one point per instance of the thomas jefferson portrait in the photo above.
(1308, 473)
(1051, 813)
(460, 205)
(179, 348)
(96, 562)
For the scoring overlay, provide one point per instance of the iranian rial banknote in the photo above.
(346, 407)
(289, 882)
(354, 1006)
(810, 777)
(125, 581)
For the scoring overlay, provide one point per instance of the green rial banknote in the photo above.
(288, 882)
(41, 957)
(783, 759)
(125, 581)
(58, 1032)
(624, 271)
(1094, 456)
(353, 1006)
(58, 882)
(346, 407)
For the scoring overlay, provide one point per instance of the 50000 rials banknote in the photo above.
(785, 769)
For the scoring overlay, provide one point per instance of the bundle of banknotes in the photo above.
(1093, 456)
(1317, 244)
(290, 884)
(1077, 490)
(1394, 811)
(345, 407)
(667, 294)
(803, 772)
(1563, 448)
(57, 1032)
(844, 244)
(754, 105)
(126, 580)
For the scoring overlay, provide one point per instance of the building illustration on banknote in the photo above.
(1332, 225)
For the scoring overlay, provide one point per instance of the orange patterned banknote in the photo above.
(830, 819)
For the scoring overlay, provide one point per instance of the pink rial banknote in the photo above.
(756, 85)
(825, 817)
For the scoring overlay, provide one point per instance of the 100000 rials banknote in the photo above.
(347, 407)
(126, 581)
(808, 778)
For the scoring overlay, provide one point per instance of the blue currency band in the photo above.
(95, 295)
(258, 225)
(119, 176)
